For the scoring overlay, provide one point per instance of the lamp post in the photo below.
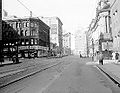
(92, 49)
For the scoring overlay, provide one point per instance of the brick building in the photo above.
(34, 40)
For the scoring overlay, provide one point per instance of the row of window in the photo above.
(26, 42)
(17, 25)
(23, 42)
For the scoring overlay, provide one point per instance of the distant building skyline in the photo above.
(80, 42)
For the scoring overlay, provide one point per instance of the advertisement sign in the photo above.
(43, 48)
(23, 47)
(33, 47)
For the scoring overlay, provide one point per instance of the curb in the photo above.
(115, 79)
(27, 75)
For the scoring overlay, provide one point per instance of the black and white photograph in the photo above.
(59, 46)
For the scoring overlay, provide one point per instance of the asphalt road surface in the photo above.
(73, 75)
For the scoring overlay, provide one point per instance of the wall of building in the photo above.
(67, 44)
(34, 35)
(99, 29)
(115, 23)
(56, 30)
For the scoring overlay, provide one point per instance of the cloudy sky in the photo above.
(75, 14)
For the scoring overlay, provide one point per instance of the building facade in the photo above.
(67, 43)
(80, 42)
(10, 39)
(56, 31)
(100, 34)
(34, 40)
(115, 24)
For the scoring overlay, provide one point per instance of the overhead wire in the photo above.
(29, 10)
(23, 5)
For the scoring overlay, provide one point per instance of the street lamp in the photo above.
(92, 49)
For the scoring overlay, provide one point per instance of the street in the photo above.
(73, 75)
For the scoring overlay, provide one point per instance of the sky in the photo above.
(74, 14)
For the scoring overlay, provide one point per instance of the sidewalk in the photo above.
(112, 69)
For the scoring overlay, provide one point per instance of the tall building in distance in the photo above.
(56, 31)
(67, 43)
(80, 42)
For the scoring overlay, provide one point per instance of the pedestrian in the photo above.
(113, 56)
(116, 57)
(101, 58)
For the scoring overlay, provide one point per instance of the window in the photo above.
(27, 24)
(36, 41)
(24, 24)
(21, 33)
(19, 25)
(16, 25)
(23, 43)
(32, 41)
(11, 25)
(25, 32)
(32, 24)
(27, 41)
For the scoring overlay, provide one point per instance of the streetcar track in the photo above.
(30, 74)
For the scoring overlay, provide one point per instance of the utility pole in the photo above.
(1, 44)
(93, 49)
